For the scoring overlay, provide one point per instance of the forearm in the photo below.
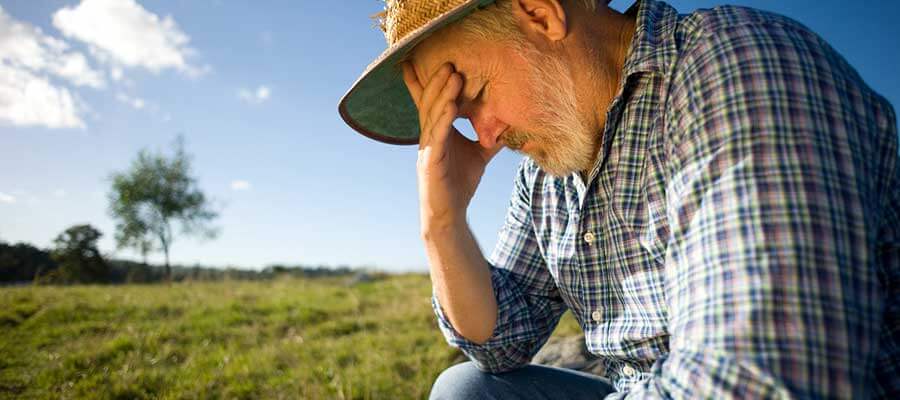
(461, 279)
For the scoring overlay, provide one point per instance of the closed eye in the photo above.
(479, 94)
(467, 103)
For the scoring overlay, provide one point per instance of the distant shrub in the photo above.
(78, 257)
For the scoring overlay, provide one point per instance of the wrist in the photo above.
(443, 227)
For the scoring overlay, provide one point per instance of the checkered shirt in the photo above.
(739, 235)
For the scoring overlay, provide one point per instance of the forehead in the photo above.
(442, 47)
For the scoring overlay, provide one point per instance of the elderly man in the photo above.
(714, 196)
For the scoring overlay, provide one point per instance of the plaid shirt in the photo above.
(739, 235)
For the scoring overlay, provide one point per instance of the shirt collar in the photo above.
(652, 48)
(653, 44)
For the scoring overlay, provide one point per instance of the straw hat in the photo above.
(378, 105)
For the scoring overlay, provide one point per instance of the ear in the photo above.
(544, 19)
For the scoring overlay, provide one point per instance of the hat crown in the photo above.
(402, 17)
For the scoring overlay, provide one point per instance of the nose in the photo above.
(487, 127)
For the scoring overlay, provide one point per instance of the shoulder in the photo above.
(728, 16)
(751, 77)
(738, 58)
(732, 53)
(746, 40)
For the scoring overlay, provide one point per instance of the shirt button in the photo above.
(628, 371)
(596, 316)
(589, 237)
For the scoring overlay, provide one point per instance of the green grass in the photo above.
(289, 338)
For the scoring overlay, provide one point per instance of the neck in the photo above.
(607, 38)
(598, 55)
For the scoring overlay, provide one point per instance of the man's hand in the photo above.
(449, 166)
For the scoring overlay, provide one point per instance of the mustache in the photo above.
(515, 139)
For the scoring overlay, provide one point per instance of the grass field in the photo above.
(285, 338)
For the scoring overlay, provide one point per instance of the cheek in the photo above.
(515, 108)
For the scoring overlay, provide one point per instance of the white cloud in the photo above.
(75, 68)
(59, 193)
(7, 198)
(26, 47)
(124, 32)
(29, 59)
(240, 185)
(115, 73)
(261, 94)
(30, 100)
(135, 102)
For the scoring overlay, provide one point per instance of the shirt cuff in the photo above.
(515, 337)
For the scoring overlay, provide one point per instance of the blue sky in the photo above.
(253, 86)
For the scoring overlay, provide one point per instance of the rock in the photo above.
(569, 352)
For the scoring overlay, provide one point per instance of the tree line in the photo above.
(23, 263)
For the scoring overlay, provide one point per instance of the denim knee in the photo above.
(465, 381)
(462, 381)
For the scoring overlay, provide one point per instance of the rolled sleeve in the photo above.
(528, 303)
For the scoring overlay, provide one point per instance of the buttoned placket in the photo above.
(589, 234)
(585, 247)
(583, 240)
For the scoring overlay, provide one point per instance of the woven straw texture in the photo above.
(400, 17)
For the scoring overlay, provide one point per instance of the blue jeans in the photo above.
(464, 381)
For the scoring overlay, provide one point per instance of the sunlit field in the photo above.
(285, 338)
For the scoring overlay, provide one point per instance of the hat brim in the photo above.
(378, 105)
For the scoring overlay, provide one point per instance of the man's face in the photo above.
(515, 95)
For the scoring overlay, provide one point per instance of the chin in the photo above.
(553, 167)
(562, 157)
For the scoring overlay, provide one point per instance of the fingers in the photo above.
(424, 96)
(436, 102)
(440, 114)
(433, 88)
(412, 82)
(443, 125)
(447, 95)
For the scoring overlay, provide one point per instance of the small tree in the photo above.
(75, 250)
(153, 195)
